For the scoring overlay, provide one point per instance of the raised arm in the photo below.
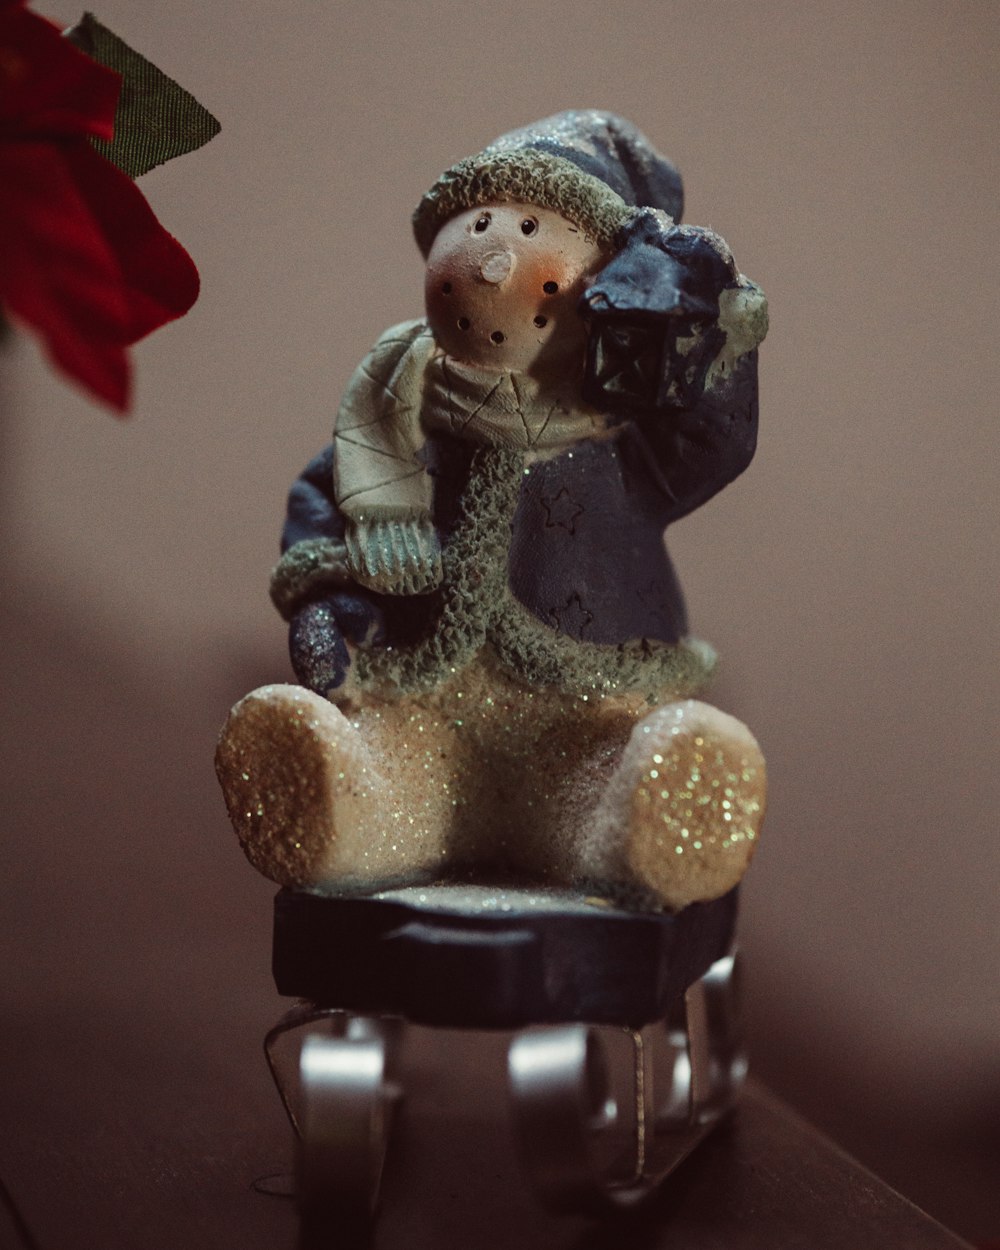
(674, 333)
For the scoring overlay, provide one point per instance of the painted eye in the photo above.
(550, 288)
(541, 322)
(529, 225)
(482, 223)
(445, 288)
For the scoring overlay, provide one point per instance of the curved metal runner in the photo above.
(340, 1098)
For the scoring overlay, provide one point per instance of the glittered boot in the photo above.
(305, 796)
(681, 815)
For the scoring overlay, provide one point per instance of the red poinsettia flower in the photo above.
(83, 261)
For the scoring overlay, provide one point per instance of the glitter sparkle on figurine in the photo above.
(494, 786)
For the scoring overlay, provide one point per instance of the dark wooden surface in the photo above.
(161, 1151)
(135, 1108)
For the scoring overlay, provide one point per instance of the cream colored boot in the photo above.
(682, 813)
(302, 791)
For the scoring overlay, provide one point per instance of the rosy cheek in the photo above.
(537, 273)
(526, 295)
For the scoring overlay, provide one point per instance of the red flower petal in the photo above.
(58, 274)
(84, 262)
(49, 87)
(155, 275)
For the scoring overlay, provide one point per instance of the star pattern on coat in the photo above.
(561, 510)
(571, 618)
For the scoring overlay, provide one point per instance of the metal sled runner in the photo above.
(566, 972)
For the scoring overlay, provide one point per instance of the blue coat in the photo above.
(586, 555)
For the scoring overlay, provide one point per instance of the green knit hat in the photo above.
(587, 165)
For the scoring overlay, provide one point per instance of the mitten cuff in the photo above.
(307, 571)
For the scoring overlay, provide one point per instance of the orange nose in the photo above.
(497, 267)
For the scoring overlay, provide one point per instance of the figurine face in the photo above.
(502, 286)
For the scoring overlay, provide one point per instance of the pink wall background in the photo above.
(847, 151)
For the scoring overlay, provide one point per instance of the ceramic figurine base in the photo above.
(560, 968)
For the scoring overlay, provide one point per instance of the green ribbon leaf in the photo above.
(156, 119)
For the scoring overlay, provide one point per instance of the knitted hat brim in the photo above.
(521, 177)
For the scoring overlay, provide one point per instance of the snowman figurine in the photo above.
(496, 675)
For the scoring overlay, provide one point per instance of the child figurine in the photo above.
(492, 644)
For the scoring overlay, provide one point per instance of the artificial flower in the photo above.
(84, 263)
